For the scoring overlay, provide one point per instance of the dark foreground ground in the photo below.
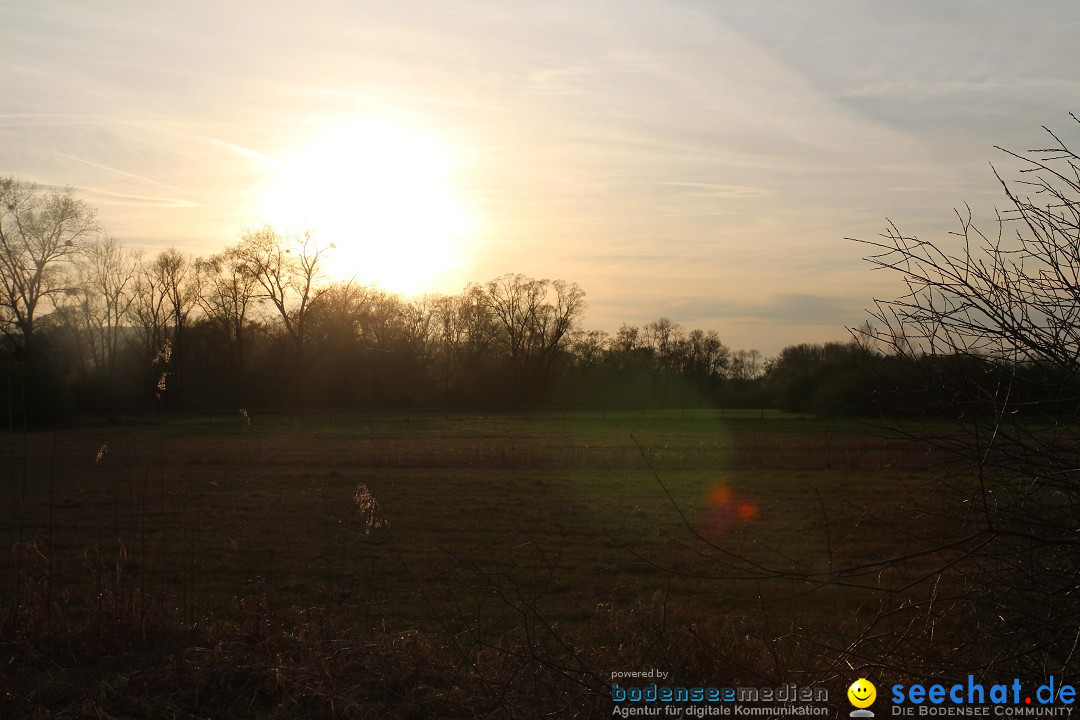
(445, 566)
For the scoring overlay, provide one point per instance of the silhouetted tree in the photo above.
(227, 296)
(992, 326)
(41, 232)
(531, 323)
(746, 365)
(288, 272)
(102, 298)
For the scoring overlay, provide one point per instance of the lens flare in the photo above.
(747, 510)
(726, 511)
(720, 495)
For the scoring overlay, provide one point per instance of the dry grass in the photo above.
(239, 571)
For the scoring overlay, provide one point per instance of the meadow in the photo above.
(444, 564)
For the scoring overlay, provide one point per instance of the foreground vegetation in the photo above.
(511, 562)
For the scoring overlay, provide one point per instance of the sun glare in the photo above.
(384, 195)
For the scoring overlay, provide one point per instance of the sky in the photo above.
(702, 160)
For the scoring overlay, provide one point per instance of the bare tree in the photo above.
(288, 271)
(176, 277)
(992, 324)
(227, 295)
(662, 337)
(165, 294)
(533, 320)
(746, 365)
(627, 339)
(705, 356)
(589, 347)
(149, 311)
(460, 334)
(41, 231)
(474, 321)
(107, 275)
(335, 326)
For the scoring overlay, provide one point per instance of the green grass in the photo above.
(544, 421)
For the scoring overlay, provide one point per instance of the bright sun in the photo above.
(384, 195)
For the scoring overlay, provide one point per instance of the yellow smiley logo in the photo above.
(862, 693)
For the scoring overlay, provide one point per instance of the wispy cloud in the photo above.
(716, 190)
(993, 87)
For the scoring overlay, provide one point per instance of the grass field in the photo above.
(588, 541)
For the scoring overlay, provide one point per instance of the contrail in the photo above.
(146, 200)
(244, 151)
(130, 175)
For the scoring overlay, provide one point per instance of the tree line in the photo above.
(91, 325)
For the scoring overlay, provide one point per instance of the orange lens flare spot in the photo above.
(747, 511)
(725, 511)
(721, 495)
